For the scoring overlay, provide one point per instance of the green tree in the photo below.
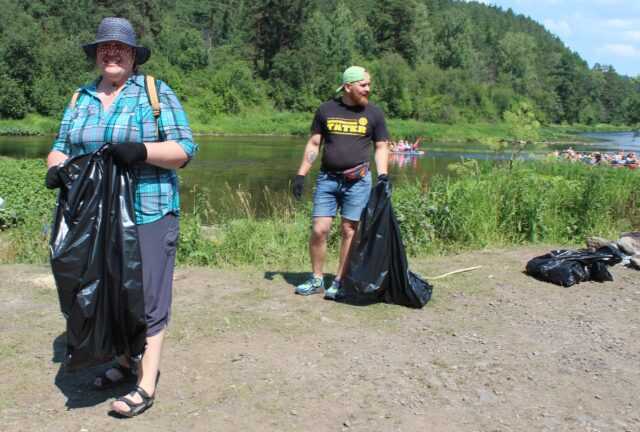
(517, 57)
(277, 25)
(393, 23)
(631, 107)
(391, 79)
(13, 103)
(523, 130)
(453, 46)
(422, 35)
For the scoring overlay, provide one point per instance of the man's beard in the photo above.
(360, 100)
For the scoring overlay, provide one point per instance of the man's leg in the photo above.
(318, 243)
(317, 250)
(354, 198)
(324, 209)
(348, 230)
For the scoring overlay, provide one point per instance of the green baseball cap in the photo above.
(352, 74)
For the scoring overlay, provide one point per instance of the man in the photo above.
(345, 127)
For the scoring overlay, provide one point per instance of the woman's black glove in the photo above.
(52, 179)
(128, 153)
(298, 186)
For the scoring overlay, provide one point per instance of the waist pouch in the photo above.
(356, 173)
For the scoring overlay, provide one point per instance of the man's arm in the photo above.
(311, 152)
(382, 157)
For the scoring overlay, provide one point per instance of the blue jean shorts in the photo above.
(333, 191)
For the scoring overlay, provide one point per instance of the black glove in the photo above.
(52, 179)
(298, 186)
(128, 153)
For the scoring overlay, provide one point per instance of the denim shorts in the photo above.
(333, 191)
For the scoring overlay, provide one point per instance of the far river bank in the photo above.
(286, 124)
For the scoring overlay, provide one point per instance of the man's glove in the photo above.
(298, 186)
(52, 179)
(128, 153)
(384, 179)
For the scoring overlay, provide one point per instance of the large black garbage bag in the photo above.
(96, 262)
(568, 267)
(377, 265)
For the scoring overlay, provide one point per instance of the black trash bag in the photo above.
(567, 267)
(377, 264)
(96, 262)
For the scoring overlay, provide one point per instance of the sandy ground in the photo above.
(494, 351)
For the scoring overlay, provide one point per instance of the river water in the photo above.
(252, 164)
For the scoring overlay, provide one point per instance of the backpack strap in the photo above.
(74, 99)
(152, 94)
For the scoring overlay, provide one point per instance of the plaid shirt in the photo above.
(87, 126)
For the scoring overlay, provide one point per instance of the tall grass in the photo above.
(235, 236)
(548, 202)
(479, 205)
(483, 204)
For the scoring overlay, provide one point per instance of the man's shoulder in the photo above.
(375, 109)
(331, 103)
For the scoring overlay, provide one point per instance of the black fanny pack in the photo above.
(356, 173)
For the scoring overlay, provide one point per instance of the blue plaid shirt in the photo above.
(87, 126)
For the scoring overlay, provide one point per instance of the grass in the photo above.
(32, 124)
(486, 204)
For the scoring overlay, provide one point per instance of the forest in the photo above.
(440, 61)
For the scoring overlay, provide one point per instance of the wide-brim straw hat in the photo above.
(118, 30)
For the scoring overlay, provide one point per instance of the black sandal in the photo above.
(135, 408)
(104, 382)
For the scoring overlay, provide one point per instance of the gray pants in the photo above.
(158, 244)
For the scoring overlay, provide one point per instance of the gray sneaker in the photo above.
(334, 292)
(312, 286)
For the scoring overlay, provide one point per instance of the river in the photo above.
(251, 164)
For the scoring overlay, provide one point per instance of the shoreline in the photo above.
(451, 140)
(293, 124)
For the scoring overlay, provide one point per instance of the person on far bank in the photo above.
(345, 128)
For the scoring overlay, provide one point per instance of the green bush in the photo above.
(13, 102)
(29, 205)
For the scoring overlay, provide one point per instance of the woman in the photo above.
(115, 109)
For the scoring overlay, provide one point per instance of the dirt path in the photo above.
(494, 351)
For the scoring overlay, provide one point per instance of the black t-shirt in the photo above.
(347, 133)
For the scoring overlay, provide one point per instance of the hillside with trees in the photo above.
(432, 60)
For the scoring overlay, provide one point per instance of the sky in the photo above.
(600, 31)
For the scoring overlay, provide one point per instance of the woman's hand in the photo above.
(52, 179)
(128, 153)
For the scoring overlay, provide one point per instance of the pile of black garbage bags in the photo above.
(569, 267)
